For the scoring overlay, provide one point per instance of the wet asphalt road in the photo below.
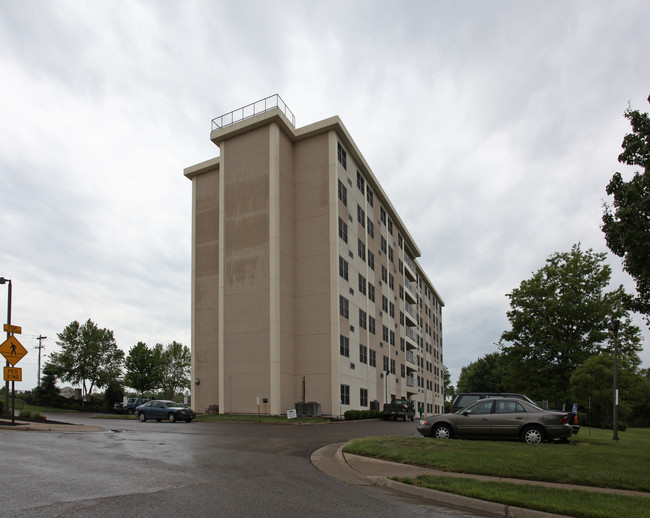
(196, 469)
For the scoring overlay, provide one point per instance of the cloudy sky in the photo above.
(493, 127)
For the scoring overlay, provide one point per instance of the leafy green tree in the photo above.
(143, 368)
(559, 318)
(487, 374)
(593, 383)
(626, 223)
(176, 362)
(114, 393)
(89, 356)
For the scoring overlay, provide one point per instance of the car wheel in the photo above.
(532, 435)
(188, 420)
(443, 431)
(129, 411)
(142, 417)
(172, 418)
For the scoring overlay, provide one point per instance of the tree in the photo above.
(487, 374)
(143, 368)
(176, 362)
(593, 384)
(559, 318)
(89, 356)
(626, 224)
(47, 393)
(448, 388)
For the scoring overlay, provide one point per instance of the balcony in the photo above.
(409, 268)
(413, 340)
(411, 291)
(411, 315)
(250, 110)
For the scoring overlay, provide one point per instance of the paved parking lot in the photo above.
(202, 469)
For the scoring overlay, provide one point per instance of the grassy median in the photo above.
(592, 459)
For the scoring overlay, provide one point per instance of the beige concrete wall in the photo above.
(205, 286)
(312, 271)
(246, 313)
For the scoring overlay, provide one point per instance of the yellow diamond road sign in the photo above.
(12, 350)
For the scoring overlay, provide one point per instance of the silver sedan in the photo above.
(503, 418)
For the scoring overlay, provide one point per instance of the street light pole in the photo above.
(613, 327)
(7, 281)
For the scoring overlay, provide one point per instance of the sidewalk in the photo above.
(32, 426)
(363, 471)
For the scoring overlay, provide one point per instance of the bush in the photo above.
(353, 415)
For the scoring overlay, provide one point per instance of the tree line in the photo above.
(564, 319)
(90, 358)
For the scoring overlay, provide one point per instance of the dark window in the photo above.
(382, 215)
(372, 359)
(371, 324)
(345, 394)
(369, 196)
(361, 252)
(345, 346)
(362, 319)
(344, 306)
(361, 216)
(371, 292)
(362, 284)
(385, 333)
(343, 193)
(392, 366)
(371, 228)
(360, 182)
(363, 354)
(363, 397)
(383, 244)
(385, 363)
(343, 268)
(371, 260)
(343, 156)
(390, 226)
(384, 274)
(343, 230)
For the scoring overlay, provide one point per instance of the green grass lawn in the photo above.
(593, 459)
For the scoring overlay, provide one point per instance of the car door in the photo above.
(157, 410)
(475, 420)
(508, 418)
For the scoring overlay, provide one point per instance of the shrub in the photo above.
(352, 415)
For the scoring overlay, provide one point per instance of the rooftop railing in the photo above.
(250, 110)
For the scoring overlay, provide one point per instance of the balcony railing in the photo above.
(250, 110)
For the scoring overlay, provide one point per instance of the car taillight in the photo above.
(565, 419)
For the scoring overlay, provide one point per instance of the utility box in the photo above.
(311, 409)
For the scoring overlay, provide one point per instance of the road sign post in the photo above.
(13, 351)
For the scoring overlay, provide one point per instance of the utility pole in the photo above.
(613, 327)
(40, 346)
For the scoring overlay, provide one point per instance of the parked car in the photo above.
(501, 418)
(399, 408)
(129, 407)
(466, 398)
(159, 409)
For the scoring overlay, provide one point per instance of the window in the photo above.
(371, 260)
(371, 228)
(363, 397)
(369, 196)
(391, 281)
(361, 216)
(362, 284)
(343, 268)
(344, 306)
(392, 366)
(345, 346)
(384, 274)
(402, 370)
(343, 156)
(361, 252)
(382, 215)
(360, 182)
(390, 226)
(482, 407)
(362, 319)
(363, 354)
(343, 193)
(371, 324)
(391, 309)
(385, 333)
(385, 363)
(371, 292)
(392, 338)
(345, 394)
(400, 241)
(343, 230)
(508, 407)
(383, 244)
(384, 303)
(390, 254)
(372, 358)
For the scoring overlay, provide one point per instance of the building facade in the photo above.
(305, 282)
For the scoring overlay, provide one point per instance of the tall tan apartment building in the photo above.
(305, 281)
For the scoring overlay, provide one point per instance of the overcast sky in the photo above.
(493, 127)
